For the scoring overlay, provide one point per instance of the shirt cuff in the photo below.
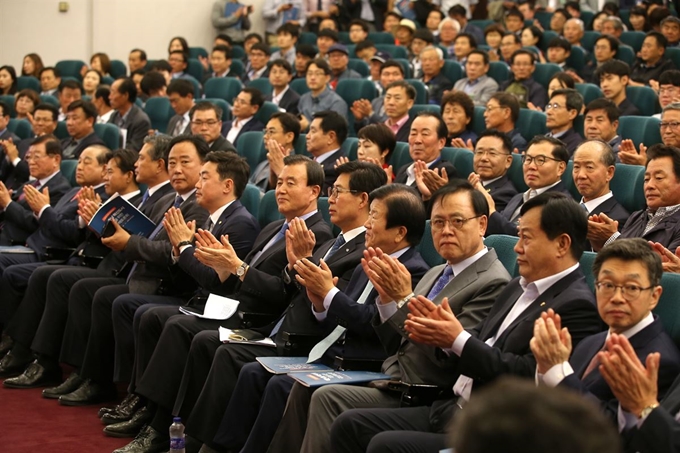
(626, 420)
(386, 311)
(459, 344)
(175, 259)
(43, 210)
(16, 161)
(81, 223)
(557, 373)
(320, 316)
(612, 238)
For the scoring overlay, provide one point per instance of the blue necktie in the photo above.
(339, 242)
(441, 283)
(144, 198)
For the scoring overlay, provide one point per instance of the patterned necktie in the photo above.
(35, 183)
(441, 283)
(339, 242)
(209, 225)
(584, 207)
(144, 198)
(179, 127)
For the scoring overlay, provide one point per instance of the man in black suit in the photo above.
(553, 230)
(258, 59)
(280, 75)
(426, 139)
(151, 273)
(80, 118)
(561, 111)
(327, 132)
(281, 133)
(132, 121)
(255, 282)
(660, 222)
(5, 133)
(246, 105)
(492, 160)
(544, 162)
(181, 95)
(19, 221)
(633, 264)
(42, 316)
(206, 121)
(69, 91)
(399, 98)
(594, 167)
(220, 62)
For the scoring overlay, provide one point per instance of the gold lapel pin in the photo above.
(542, 304)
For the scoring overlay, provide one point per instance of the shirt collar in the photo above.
(644, 322)
(459, 267)
(399, 123)
(186, 195)
(305, 216)
(595, 202)
(399, 252)
(351, 234)
(215, 216)
(537, 192)
(324, 156)
(152, 190)
(47, 178)
(132, 194)
(240, 123)
(544, 284)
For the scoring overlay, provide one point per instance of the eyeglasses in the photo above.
(42, 120)
(35, 156)
(455, 223)
(316, 73)
(669, 90)
(673, 125)
(492, 154)
(629, 292)
(334, 191)
(199, 123)
(554, 105)
(494, 107)
(540, 159)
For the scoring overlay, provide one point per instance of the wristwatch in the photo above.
(241, 270)
(647, 410)
(400, 303)
(183, 243)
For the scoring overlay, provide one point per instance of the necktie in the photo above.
(441, 283)
(594, 363)
(339, 242)
(280, 235)
(321, 347)
(144, 198)
(209, 225)
(179, 127)
(35, 183)
(584, 207)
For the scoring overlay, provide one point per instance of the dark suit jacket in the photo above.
(153, 273)
(502, 222)
(242, 229)
(666, 232)
(402, 175)
(404, 131)
(652, 338)
(89, 140)
(173, 123)
(627, 108)
(14, 177)
(613, 210)
(252, 125)
(329, 170)
(19, 221)
(222, 144)
(571, 139)
(137, 124)
(245, 78)
(289, 101)
(501, 190)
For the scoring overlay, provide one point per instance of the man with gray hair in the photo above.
(563, 108)
(432, 61)
(573, 31)
(612, 26)
(670, 124)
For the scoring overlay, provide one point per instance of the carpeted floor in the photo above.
(31, 423)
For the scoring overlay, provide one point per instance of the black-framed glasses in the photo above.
(455, 223)
(334, 191)
(629, 292)
(540, 160)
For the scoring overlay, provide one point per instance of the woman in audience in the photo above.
(638, 19)
(178, 43)
(457, 112)
(91, 81)
(376, 144)
(559, 17)
(596, 24)
(558, 81)
(101, 62)
(25, 103)
(531, 37)
(8, 80)
(493, 34)
(32, 65)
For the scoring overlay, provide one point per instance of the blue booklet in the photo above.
(317, 379)
(230, 9)
(122, 211)
(285, 365)
(291, 14)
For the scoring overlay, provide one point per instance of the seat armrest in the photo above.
(350, 363)
(297, 344)
(252, 319)
(58, 253)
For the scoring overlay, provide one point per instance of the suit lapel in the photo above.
(264, 238)
(496, 319)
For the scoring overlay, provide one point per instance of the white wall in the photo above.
(111, 26)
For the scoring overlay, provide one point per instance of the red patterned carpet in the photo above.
(31, 423)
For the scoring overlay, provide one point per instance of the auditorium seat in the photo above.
(118, 69)
(8, 100)
(110, 135)
(400, 156)
(499, 71)
(633, 39)
(350, 146)
(668, 309)
(195, 52)
(322, 206)
(251, 146)
(301, 146)
(352, 90)
(194, 69)
(28, 82)
(61, 132)
(586, 263)
(548, 35)
(417, 108)
(299, 86)
(516, 174)
(68, 169)
(577, 58)
(452, 70)
(426, 248)
(478, 123)
(531, 123)
(504, 245)
(226, 88)
(237, 67)
(266, 111)
(394, 50)
(645, 99)
(268, 211)
(406, 66)
(421, 91)
(589, 91)
(250, 199)
(640, 129)
(673, 54)
(70, 68)
(22, 128)
(380, 37)
(543, 18)
(544, 71)
(359, 66)
(627, 186)
(222, 104)
(237, 53)
(307, 38)
(460, 158)
(589, 38)
(261, 84)
(626, 54)
(159, 111)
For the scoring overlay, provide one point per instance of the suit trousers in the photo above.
(206, 390)
(10, 305)
(98, 360)
(79, 320)
(405, 430)
(13, 285)
(254, 410)
(293, 423)
(124, 314)
(330, 401)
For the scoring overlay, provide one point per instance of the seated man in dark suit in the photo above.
(220, 62)
(399, 98)
(432, 61)
(181, 95)
(426, 139)
(258, 57)
(553, 230)
(80, 118)
(327, 132)
(614, 76)
(45, 120)
(594, 167)
(69, 91)
(246, 105)
(206, 121)
(543, 165)
(502, 113)
(564, 106)
(5, 133)
(660, 221)
(280, 75)
(280, 135)
(18, 219)
(522, 85)
(132, 121)
(632, 266)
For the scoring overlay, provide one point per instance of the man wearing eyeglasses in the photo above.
(670, 125)
(327, 132)
(491, 163)
(206, 121)
(563, 108)
(628, 287)
(246, 105)
(522, 85)
(543, 165)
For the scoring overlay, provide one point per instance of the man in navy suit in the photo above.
(327, 132)
(552, 233)
(127, 116)
(44, 164)
(543, 164)
(246, 105)
(80, 118)
(628, 287)
(492, 160)
(5, 133)
(280, 75)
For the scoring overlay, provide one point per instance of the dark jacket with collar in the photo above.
(501, 190)
(137, 125)
(253, 125)
(172, 124)
(405, 130)
(246, 78)
(536, 93)
(612, 209)
(222, 144)
(627, 108)
(289, 101)
(89, 140)
(643, 74)
(436, 87)
(402, 174)
(571, 139)
(517, 139)
(15, 176)
(666, 232)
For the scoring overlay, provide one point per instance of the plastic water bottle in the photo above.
(177, 436)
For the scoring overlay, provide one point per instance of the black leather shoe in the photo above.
(89, 393)
(131, 427)
(71, 384)
(124, 411)
(35, 376)
(116, 408)
(14, 364)
(147, 441)
(6, 344)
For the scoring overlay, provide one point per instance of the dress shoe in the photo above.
(71, 384)
(124, 411)
(131, 427)
(147, 441)
(35, 375)
(14, 364)
(6, 344)
(89, 393)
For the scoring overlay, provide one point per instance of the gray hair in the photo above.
(160, 144)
